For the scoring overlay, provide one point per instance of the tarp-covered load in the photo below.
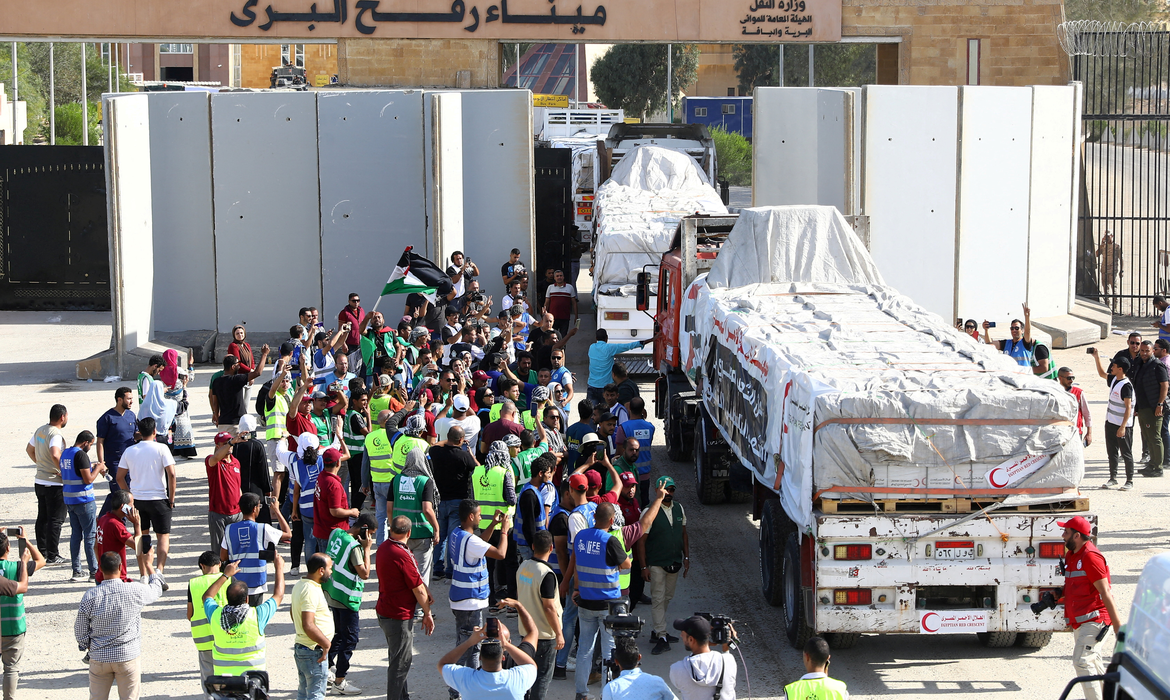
(831, 389)
(638, 209)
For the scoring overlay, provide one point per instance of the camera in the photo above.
(253, 685)
(269, 554)
(491, 628)
(1047, 602)
(620, 622)
(720, 628)
(475, 297)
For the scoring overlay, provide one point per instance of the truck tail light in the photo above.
(617, 315)
(852, 552)
(1051, 550)
(955, 544)
(852, 596)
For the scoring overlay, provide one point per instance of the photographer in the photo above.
(632, 684)
(462, 271)
(705, 674)
(1088, 601)
(350, 551)
(492, 679)
(815, 683)
(514, 270)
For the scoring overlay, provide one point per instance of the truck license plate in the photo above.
(954, 550)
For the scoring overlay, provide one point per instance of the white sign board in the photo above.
(1015, 469)
(953, 621)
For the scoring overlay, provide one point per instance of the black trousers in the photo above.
(50, 517)
(502, 572)
(637, 584)
(1115, 446)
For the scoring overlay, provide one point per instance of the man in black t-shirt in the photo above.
(1150, 385)
(227, 392)
(530, 504)
(452, 466)
(514, 271)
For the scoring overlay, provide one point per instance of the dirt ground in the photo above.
(724, 576)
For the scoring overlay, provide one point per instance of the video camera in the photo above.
(253, 685)
(721, 632)
(1047, 602)
(620, 622)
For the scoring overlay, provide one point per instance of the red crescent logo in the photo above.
(991, 478)
(927, 627)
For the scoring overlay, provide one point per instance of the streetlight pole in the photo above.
(52, 99)
(669, 88)
(84, 102)
(780, 81)
(14, 93)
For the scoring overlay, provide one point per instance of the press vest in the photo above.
(277, 417)
(816, 689)
(200, 625)
(643, 432)
(403, 447)
(1115, 411)
(488, 486)
(664, 541)
(48, 469)
(76, 491)
(344, 586)
(306, 476)
(518, 521)
(378, 451)
(528, 578)
(587, 510)
(596, 580)
(408, 501)
(1082, 600)
(468, 580)
(356, 443)
(12, 620)
(239, 651)
(243, 545)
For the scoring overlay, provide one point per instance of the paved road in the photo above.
(724, 577)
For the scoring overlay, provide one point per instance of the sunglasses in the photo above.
(970, 328)
(488, 396)
(1016, 328)
(1135, 342)
(670, 489)
(1069, 377)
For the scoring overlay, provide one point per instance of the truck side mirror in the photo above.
(643, 294)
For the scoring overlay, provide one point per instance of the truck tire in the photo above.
(676, 446)
(997, 640)
(842, 640)
(1033, 640)
(712, 491)
(774, 529)
(795, 626)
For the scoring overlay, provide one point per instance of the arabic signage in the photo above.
(953, 621)
(550, 101)
(1014, 470)
(740, 404)
(526, 20)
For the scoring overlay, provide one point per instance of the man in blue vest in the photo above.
(642, 430)
(531, 514)
(77, 477)
(1020, 347)
(599, 558)
(244, 542)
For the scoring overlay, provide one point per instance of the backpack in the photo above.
(262, 398)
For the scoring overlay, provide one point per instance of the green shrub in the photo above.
(69, 124)
(733, 154)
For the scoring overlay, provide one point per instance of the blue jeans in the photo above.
(312, 675)
(591, 625)
(465, 623)
(83, 523)
(568, 623)
(312, 544)
(448, 521)
(381, 495)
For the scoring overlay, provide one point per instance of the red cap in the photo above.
(223, 438)
(594, 478)
(1078, 524)
(578, 482)
(628, 479)
(331, 457)
(480, 374)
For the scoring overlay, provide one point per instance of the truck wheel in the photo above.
(676, 446)
(774, 528)
(795, 626)
(711, 491)
(842, 640)
(997, 640)
(1033, 640)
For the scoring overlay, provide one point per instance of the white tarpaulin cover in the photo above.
(638, 209)
(583, 147)
(814, 381)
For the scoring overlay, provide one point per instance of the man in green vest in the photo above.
(529, 450)
(661, 554)
(494, 490)
(816, 684)
(353, 433)
(378, 453)
(350, 551)
(237, 629)
(12, 622)
(197, 616)
(415, 496)
(413, 437)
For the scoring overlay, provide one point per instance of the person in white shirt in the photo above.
(463, 417)
(705, 674)
(147, 471)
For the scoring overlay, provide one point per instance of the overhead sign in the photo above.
(953, 621)
(678, 21)
(550, 100)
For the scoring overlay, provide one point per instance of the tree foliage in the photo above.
(835, 65)
(1124, 11)
(733, 155)
(69, 124)
(633, 76)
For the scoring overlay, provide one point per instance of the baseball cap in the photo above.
(479, 374)
(460, 403)
(606, 416)
(306, 441)
(286, 348)
(1079, 524)
(665, 482)
(247, 423)
(331, 457)
(384, 380)
(696, 626)
(628, 479)
(222, 438)
(319, 395)
(579, 482)
(594, 478)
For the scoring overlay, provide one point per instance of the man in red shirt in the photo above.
(330, 502)
(223, 487)
(594, 477)
(353, 314)
(112, 535)
(1088, 601)
(400, 588)
(298, 421)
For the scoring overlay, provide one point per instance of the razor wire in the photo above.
(1090, 37)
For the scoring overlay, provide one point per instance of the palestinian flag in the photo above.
(414, 274)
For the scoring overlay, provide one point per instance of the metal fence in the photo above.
(1124, 233)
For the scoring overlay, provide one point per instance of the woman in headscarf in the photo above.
(484, 399)
(241, 349)
(155, 402)
(175, 381)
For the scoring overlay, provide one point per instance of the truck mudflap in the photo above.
(897, 574)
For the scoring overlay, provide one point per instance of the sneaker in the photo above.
(660, 646)
(571, 664)
(332, 678)
(594, 678)
(294, 571)
(1126, 486)
(671, 639)
(165, 586)
(559, 673)
(346, 688)
(79, 577)
(581, 696)
(645, 600)
(1111, 484)
(54, 559)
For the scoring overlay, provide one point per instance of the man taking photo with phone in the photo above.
(350, 552)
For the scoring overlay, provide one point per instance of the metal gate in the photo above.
(54, 244)
(1123, 252)
(554, 215)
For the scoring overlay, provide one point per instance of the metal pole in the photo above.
(52, 99)
(780, 82)
(517, 64)
(109, 67)
(811, 76)
(669, 89)
(576, 76)
(14, 88)
(117, 72)
(84, 102)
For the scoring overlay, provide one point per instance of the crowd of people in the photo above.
(429, 449)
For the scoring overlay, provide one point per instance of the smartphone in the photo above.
(491, 629)
(991, 324)
(269, 554)
(1089, 351)
(601, 450)
(578, 323)
(144, 545)
(270, 500)
(127, 509)
(15, 531)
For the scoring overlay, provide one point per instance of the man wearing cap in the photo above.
(816, 683)
(1088, 600)
(531, 515)
(705, 674)
(223, 486)
(661, 554)
(463, 417)
(305, 467)
(642, 430)
(330, 501)
(243, 542)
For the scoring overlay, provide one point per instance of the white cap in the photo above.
(247, 423)
(306, 441)
(460, 402)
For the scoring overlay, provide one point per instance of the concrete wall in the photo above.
(454, 63)
(1056, 120)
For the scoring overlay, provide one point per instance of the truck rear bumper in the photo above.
(906, 619)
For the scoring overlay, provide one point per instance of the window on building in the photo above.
(700, 111)
(729, 109)
(299, 55)
(176, 48)
(105, 53)
(237, 65)
(974, 51)
(731, 92)
(285, 54)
